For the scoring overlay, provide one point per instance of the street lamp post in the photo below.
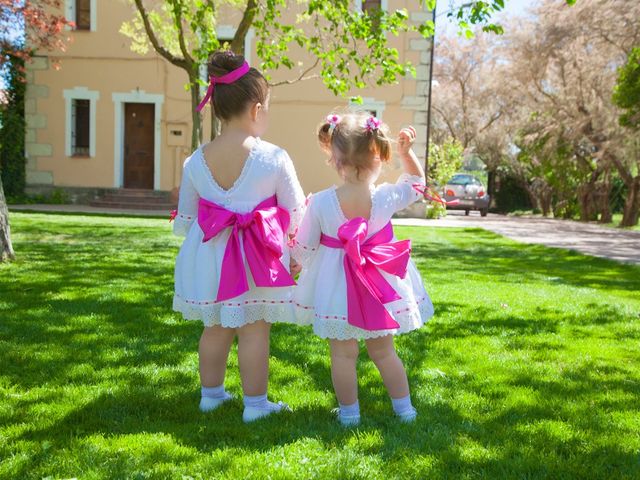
(433, 43)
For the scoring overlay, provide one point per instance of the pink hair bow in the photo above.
(372, 124)
(224, 79)
(263, 236)
(367, 290)
(333, 121)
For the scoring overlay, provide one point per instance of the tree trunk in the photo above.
(196, 129)
(586, 201)
(6, 249)
(631, 210)
(604, 201)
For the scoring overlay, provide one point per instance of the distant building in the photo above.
(106, 117)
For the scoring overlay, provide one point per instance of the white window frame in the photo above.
(384, 5)
(136, 96)
(369, 103)
(227, 32)
(70, 13)
(80, 93)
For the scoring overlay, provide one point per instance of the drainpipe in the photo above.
(433, 44)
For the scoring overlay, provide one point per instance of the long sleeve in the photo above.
(307, 239)
(187, 204)
(289, 192)
(401, 194)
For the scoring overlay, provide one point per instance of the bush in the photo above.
(510, 196)
(12, 130)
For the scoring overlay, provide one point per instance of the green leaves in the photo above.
(626, 94)
(351, 47)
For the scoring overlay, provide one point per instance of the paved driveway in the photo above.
(618, 244)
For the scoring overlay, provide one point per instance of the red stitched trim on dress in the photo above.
(304, 307)
(304, 247)
(343, 317)
(234, 304)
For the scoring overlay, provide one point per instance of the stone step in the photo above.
(122, 198)
(134, 206)
(138, 192)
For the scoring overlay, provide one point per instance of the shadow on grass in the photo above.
(92, 307)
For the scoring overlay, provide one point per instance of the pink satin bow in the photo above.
(367, 289)
(263, 232)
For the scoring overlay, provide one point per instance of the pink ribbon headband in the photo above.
(225, 79)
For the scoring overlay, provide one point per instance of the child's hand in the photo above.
(406, 137)
(294, 267)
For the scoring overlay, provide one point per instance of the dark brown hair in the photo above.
(233, 99)
(352, 144)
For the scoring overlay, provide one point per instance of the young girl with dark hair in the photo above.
(239, 201)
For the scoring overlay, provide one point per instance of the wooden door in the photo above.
(139, 132)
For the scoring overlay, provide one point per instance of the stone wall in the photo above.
(34, 122)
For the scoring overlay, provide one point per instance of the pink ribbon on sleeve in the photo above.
(430, 194)
(263, 232)
(367, 289)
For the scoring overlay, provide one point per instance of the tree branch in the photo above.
(177, 21)
(237, 44)
(177, 61)
(302, 77)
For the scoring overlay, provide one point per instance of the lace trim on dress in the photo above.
(336, 326)
(182, 223)
(235, 314)
(302, 253)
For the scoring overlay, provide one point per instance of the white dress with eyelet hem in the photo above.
(321, 294)
(267, 171)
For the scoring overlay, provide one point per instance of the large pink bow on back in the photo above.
(367, 289)
(263, 232)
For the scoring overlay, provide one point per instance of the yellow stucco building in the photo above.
(100, 116)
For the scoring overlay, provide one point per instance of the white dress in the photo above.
(267, 171)
(321, 298)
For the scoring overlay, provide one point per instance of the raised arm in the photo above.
(410, 163)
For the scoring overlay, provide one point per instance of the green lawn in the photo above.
(530, 368)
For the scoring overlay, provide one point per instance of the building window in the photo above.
(369, 105)
(83, 14)
(80, 122)
(80, 127)
(371, 6)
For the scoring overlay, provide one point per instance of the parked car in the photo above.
(470, 193)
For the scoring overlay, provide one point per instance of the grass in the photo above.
(528, 370)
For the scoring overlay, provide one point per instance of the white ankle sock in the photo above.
(350, 410)
(215, 392)
(402, 405)
(260, 402)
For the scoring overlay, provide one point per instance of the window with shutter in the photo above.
(83, 14)
(371, 6)
(81, 127)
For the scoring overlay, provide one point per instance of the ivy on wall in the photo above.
(12, 128)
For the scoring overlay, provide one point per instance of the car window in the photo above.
(460, 180)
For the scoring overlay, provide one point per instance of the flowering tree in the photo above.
(25, 22)
(537, 102)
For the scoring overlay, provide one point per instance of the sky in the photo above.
(512, 8)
